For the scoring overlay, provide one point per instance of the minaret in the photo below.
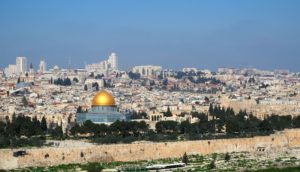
(31, 70)
(69, 64)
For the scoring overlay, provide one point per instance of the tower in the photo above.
(31, 70)
(21, 64)
(42, 66)
(113, 61)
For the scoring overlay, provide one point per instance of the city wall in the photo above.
(51, 156)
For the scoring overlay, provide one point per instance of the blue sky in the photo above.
(172, 33)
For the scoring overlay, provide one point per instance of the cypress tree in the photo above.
(185, 158)
(24, 101)
(44, 124)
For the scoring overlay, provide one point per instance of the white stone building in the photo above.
(21, 64)
(42, 66)
(11, 70)
(148, 70)
(104, 66)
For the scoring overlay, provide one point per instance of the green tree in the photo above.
(165, 127)
(168, 113)
(75, 129)
(265, 126)
(185, 158)
(185, 127)
(57, 132)
(79, 109)
(44, 124)
(67, 82)
(227, 157)
(10, 130)
(27, 127)
(286, 122)
(2, 128)
(211, 109)
(75, 80)
(95, 85)
(139, 115)
(212, 165)
(134, 76)
(252, 124)
(201, 116)
(101, 130)
(165, 82)
(37, 126)
(24, 101)
(296, 122)
(212, 112)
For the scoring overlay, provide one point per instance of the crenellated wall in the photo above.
(51, 156)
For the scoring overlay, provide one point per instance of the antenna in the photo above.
(69, 63)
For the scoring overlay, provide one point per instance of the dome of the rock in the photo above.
(103, 98)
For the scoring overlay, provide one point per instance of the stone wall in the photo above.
(51, 156)
(260, 110)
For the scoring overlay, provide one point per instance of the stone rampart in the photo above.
(51, 156)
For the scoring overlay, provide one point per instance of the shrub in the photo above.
(227, 157)
(212, 165)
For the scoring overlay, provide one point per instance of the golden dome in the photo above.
(103, 98)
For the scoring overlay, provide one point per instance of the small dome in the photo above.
(103, 98)
(56, 67)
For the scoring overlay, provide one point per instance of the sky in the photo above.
(206, 34)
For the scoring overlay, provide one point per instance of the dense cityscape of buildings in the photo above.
(57, 93)
(103, 94)
(151, 103)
